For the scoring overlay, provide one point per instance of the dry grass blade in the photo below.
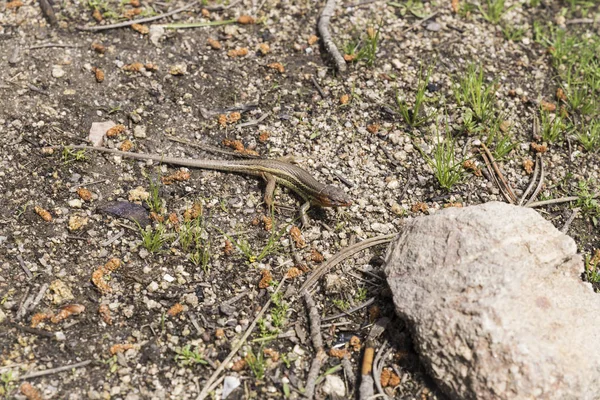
(533, 179)
(540, 183)
(341, 256)
(503, 185)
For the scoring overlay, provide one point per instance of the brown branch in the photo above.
(135, 21)
(323, 28)
(317, 339)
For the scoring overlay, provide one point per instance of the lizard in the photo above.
(272, 171)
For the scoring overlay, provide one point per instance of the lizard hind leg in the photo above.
(269, 190)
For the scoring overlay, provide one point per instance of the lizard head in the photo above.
(332, 196)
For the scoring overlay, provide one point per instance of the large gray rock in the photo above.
(494, 297)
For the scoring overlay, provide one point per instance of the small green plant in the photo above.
(590, 138)
(592, 272)
(503, 146)
(257, 363)
(279, 310)
(7, 379)
(361, 295)
(69, 155)
(272, 246)
(467, 9)
(112, 364)
(552, 127)
(494, 11)
(415, 7)
(364, 49)
(474, 93)
(153, 239)
(415, 115)
(342, 304)
(588, 201)
(186, 357)
(447, 170)
(512, 33)
(154, 201)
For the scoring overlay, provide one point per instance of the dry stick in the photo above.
(21, 311)
(24, 267)
(222, 7)
(580, 21)
(533, 179)
(493, 176)
(319, 89)
(55, 370)
(567, 224)
(49, 45)
(341, 256)
(323, 28)
(378, 367)
(513, 198)
(211, 381)
(539, 185)
(555, 201)
(39, 297)
(135, 21)
(317, 340)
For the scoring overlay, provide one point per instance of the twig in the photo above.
(533, 179)
(580, 21)
(136, 21)
(199, 24)
(33, 331)
(378, 363)
(350, 311)
(419, 22)
(208, 114)
(317, 339)
(556, 201)
(24, 267)
(341, 256)
(39, 297)
(211, 380)
(323, 28)
(49, 45)
(495, 171)
(221, 7)
(344, 180)
(112, 239)
(539, 185)
(255, 121)
(55, 370)
(21, 311)
(567, 224)
(321, 92)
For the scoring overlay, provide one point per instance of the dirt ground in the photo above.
(159, 322)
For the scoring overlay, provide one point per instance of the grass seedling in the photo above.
(512, 33)
(186, 357)
(7, 379)
(587, 201)
(279, 310)
(341, 304)
(503, 147)
(472, 92)
(415, 7)
(590, 138)
(592, 272)
(415, 115)
(447, 170)
(154, 201)
(153, 239)
(494, 11)
(69, 155)
(364, 49)
(552, 127)
(272, 246)
(257, 363)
